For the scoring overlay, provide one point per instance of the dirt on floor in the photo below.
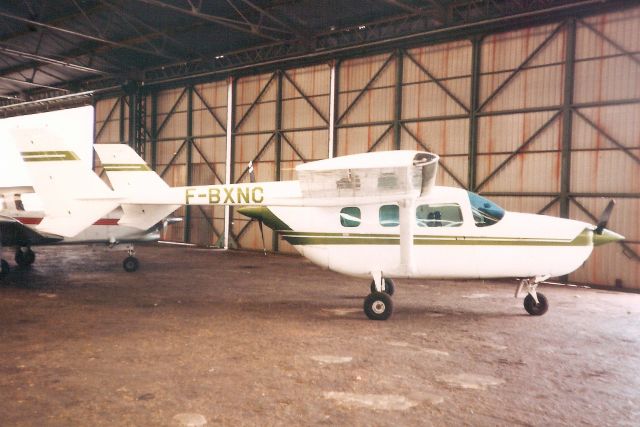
(234, 338)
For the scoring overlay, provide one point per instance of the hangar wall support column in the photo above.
(567, 117)
(476, 46)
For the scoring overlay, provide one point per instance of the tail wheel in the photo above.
(388, 285)
(536, 309)
(378, 306)
(4, 268)
(130, 264)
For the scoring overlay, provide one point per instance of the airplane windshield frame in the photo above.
(485, 212)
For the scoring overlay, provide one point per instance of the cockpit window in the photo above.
(439, 215)
(485, 212)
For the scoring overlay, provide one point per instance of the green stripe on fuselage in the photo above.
(48, 156)
(113, 167)
(301, 238)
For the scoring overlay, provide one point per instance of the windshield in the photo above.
(485, 212)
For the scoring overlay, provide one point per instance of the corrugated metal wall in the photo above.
(541, 119)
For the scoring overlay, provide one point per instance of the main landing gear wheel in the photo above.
(25, 258)
(389, 287)
(378, 306)
(130, 264)
(533, 308)
(4, 268)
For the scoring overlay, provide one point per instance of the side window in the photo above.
(389, 215)
(350, 217)
(439, 215)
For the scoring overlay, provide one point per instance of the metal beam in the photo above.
(567, 117)
(48, 60)
(397, 111)
(333, 107)
(189, 162)
(253, 29)
(278, 143)
(84, 36)
(229, 155)
(476, 46)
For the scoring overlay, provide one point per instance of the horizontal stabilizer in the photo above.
(144, 217)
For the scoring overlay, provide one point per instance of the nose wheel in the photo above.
(535, 303)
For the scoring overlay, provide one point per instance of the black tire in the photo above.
(4, 268)
(130, 264)
(389, 286)
(25, 259)
(378, 306)
(536, 309)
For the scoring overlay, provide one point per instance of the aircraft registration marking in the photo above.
(224, 195)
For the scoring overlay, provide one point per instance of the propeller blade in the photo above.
(604, 217)
(252, 176)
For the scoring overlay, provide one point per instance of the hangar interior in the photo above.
(532, 104)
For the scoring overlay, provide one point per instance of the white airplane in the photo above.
(380, 216)
(69, 204)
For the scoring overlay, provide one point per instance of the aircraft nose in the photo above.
(607, 236)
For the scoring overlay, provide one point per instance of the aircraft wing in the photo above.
(392, 174)
(15, 233)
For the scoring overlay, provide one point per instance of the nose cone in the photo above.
(607, 236)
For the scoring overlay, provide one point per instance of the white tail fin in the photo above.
(73, 195)
(132, 178)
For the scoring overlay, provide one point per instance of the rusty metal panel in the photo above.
(529, 204)
(360, 139)
(536, 167)
(450, 65)
(171, 162)
(311, 145)
(537, 82)
(449, 139)
(604, 68)
(207, 225)
(261, 116)
(210, 109)
(376, 104)
(297, 112)
(107, 122)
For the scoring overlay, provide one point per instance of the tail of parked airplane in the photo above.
(72, 194)
(131, 178)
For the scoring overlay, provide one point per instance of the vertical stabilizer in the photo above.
(72, 194)
(132, 178)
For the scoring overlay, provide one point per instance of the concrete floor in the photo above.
(241, 339)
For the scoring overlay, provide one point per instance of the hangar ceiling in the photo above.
(59, 53)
